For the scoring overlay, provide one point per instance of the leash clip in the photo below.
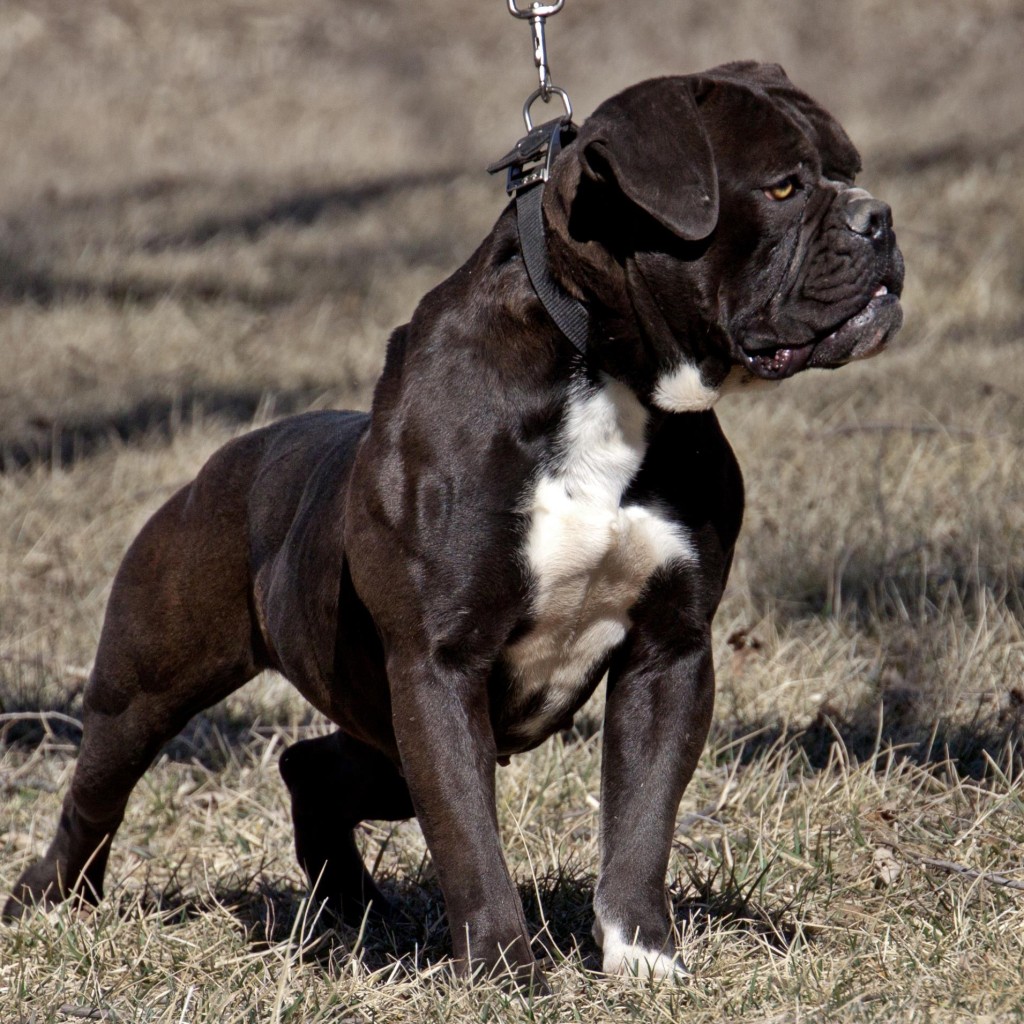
(530, 161)
(536, 13)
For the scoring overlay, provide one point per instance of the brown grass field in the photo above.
(213, 211)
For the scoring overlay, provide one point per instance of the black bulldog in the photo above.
(448, 577)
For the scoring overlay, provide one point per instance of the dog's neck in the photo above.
(675, 368)
(652, 362)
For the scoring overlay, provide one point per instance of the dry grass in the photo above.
(213, 213)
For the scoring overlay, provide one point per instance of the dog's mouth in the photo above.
(861, 336)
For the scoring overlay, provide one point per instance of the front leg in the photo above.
(447, 748)
(659, 705)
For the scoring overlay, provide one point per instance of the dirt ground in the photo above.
(212, 212)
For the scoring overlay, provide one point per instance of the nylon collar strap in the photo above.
(528, 166)
(569, 314)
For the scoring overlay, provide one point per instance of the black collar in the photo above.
(569, 314)
(529, 165)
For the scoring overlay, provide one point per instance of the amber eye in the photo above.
(781, 190)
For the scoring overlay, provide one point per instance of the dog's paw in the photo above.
(631, 960)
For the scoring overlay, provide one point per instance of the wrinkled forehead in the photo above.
(758, 121)
(752, 138)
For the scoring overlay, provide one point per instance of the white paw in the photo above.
(630, 960)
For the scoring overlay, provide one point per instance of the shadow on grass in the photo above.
(992, 743)
(51, 443)
(302, 208)
(274, 913)
(877, 593)
(900, 721)
(40, 263)
(36, 269)
(48, 287)
(943, 663)
(297, 275)
(708, 900)
(33, 716)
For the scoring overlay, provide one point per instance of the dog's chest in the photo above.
(589, 555)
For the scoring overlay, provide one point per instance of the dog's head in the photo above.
(713, 221)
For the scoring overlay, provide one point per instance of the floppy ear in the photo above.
(650, 143)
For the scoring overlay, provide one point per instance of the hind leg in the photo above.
(336, 782)
(177, 638)
(116, 749)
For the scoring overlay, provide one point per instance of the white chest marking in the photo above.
(683, 390)
(589, 555)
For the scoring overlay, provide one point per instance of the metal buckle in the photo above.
(529, 163)
(539, 94)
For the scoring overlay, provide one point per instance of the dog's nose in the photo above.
(868, 216)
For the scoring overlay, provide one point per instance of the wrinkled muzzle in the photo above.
(842, 300)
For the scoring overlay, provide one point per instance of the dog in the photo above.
(448, 577)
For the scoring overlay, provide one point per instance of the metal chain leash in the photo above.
(537, 13)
